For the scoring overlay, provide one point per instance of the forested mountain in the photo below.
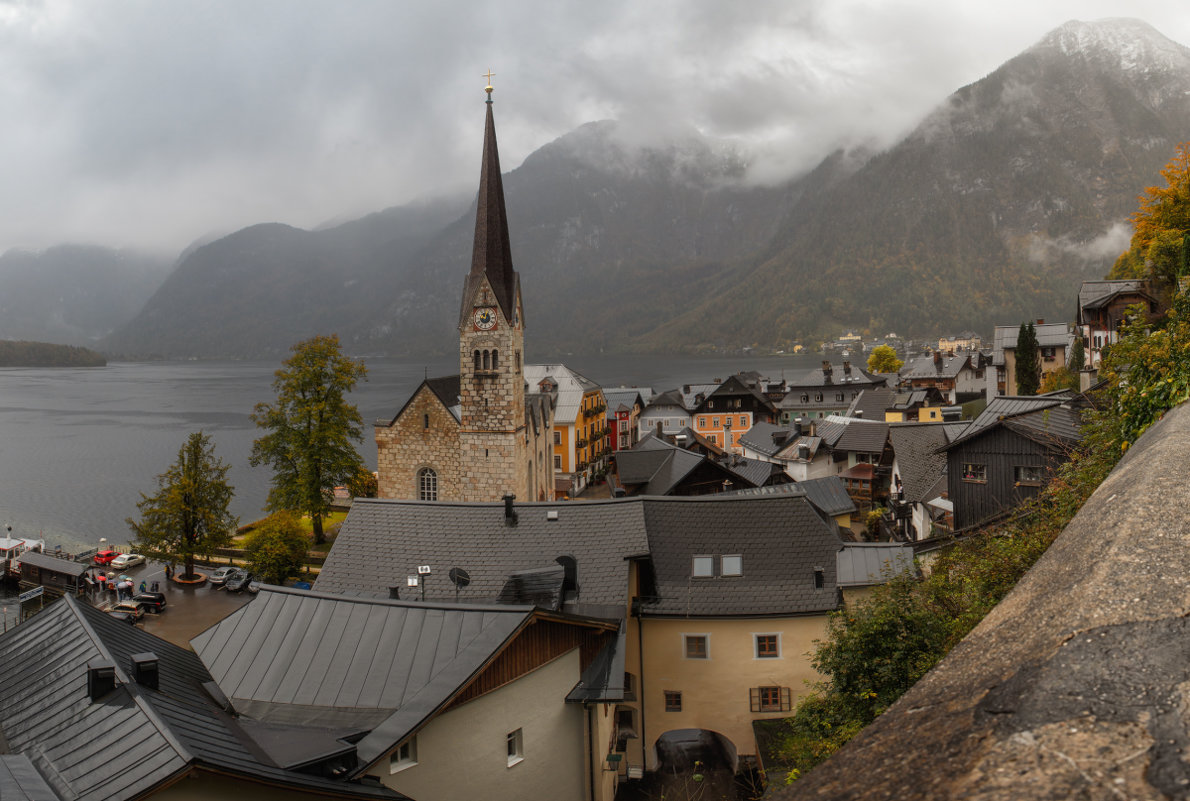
(1012, 191)
(73, 294)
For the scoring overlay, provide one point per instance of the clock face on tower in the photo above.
(485, 318)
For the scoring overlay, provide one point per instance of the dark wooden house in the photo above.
(1008, 453)
(58, 576)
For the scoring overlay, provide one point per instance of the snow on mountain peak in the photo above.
(1131, 43)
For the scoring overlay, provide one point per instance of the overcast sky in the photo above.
(149, 123)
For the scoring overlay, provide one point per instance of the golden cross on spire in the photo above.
(488, 88)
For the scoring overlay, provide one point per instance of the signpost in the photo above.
(29, 595)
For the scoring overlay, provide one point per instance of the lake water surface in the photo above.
(79, 446)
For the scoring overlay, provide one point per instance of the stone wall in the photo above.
(408, 444)
(1077, 685)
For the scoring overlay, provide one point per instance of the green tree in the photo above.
(188, 516)
(363, 484)
(883, 359)
(277, 547)
(311, 429)
(1078, 356)
(1028, 361)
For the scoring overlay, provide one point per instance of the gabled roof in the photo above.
(863, 564)
(839, 377)
(46, 562)
(829, 494)
(1049, 335)
(671, 397)
(445, 388)
(734, 386)
(872, 403)
(622, 396)
(862, 436)
(944, 367)
(919, 460)
(134, 739)
(571, 388)
(1049, 416)
(781, 538)
(383, 541)
(1095, 294)
(491, 253)
(767, 438)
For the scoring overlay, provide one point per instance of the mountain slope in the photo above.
(992, 210)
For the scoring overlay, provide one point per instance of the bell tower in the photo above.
(491, 344)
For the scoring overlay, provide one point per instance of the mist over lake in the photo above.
(79, 446)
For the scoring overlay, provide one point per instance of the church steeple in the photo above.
(491, 254)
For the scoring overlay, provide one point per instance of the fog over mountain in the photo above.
(1003, 198)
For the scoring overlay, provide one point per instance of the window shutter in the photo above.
(754, 694)
(785, 700)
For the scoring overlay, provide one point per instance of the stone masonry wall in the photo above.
(408, 445)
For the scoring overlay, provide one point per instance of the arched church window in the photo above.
(427, 484)
(476, 360)
(495, 360)
(487, 360)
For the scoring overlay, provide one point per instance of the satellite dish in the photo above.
(460, 577)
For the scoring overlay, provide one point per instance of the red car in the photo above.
(106, 557)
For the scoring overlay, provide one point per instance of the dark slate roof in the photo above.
(20, 781)
(1093, 294)
(628, 396)
(146, 738)
(767, 438)
(926, 367)
(670, 397)
(1049, 335)
(838, 378)
(755, 471)
(1004, 407)
(917, 448)
(491, 254)
(672, 471)
(781, 538)
(47, 562)
(861, 436)
(871, 404)
(383, 541)
(445, 388)
(736, 385)
(539, 586)
(829, 494)
(1050, 426)
(862, 564)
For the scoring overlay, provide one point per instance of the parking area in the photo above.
(189, 610)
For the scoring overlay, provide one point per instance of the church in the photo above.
(479, 435)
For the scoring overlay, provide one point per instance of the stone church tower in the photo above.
(491, 341)
(477, 436)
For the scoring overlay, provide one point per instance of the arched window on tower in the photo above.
(427, 484)
(495, 360)
(476, 360)
(487, 360)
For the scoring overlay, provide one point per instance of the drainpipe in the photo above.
(640, 665)
(591, 745)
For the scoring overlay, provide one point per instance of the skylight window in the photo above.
(732, 565)
(703, 567)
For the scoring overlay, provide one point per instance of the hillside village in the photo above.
(564, 588)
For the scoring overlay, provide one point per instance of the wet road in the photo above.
(189, 610)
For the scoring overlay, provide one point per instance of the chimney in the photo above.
(826, 372)
(846, 368)
(144, 669)
(510, 515)
(937, 360)
(685, 389)
(394, 592)
(101, 678)
(859, 413)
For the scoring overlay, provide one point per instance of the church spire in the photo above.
(491, 255)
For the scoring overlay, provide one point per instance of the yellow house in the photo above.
(580, 428)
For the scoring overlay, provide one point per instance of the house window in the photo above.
(975, 472)
(404, 757)
(629, 687)
(516, 747)
(714, 422)
(702, 567)
(732, 565)
(770, 699)
(1027, 475)
(702, 422)
(427, 484)
(805, 398)
(696, 646)
(557, 437)
(673, 701)
(768, 646)
(819, 578)
(818, 397)
(838, 396)
(557, 462)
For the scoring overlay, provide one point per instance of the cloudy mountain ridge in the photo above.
(991, 211)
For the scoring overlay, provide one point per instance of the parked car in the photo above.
(105, 557)
(135, 608)
(120, 614)
(153, 601)
(127, 560)
(223, 574)
(239, 581)
(254, 586)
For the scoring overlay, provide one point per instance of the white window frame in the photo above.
(515, 741)
(404, 757)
